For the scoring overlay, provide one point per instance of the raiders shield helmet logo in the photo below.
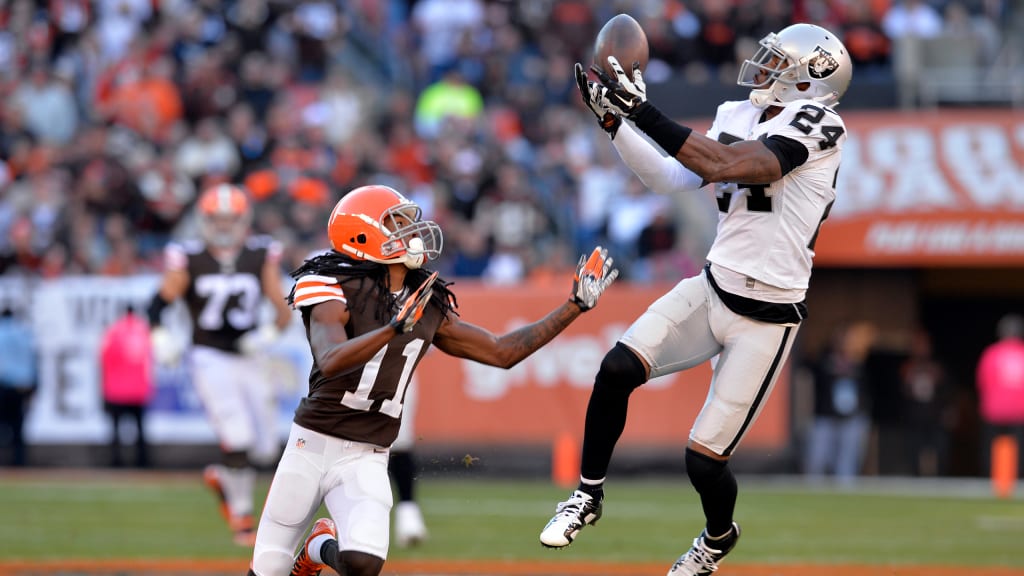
(822, 64)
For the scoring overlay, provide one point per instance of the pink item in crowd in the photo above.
(1001, 382)
(126, 362)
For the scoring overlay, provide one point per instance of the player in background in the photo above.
(410, 528)
(773, 160)
(371, 311)
(223, 279)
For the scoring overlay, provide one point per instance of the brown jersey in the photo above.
(365, 404)
(223, 297)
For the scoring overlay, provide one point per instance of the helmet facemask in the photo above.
(761, 73)
(410, 238)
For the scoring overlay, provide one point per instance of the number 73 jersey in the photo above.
(223, 296)
(767, 231)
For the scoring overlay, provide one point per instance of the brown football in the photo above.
(623, 38)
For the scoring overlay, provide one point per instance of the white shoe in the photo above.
(702, 559)
(410, 529)
(570, 517)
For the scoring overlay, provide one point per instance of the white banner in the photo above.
(69, 317)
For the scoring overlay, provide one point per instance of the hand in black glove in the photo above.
(593, 96)
(624, 95)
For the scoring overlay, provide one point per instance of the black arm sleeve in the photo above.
(662, 129)
(155, 310)
(790, 153)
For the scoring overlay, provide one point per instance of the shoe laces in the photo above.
(699, 556)
(574, 505)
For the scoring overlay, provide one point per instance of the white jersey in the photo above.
(766, 232)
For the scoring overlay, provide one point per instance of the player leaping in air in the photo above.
(773, 160)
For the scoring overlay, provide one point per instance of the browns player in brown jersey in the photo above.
(223, 279)
(371, 310)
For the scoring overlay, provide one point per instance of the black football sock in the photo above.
(595, 490)
(403, 469)
(329, 554)
(716, 485)
(621, 372)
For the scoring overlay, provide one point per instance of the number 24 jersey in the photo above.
(767, 231)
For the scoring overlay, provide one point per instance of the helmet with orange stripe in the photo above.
(224, 215)
(378, 224)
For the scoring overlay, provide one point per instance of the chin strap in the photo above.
(761, 99)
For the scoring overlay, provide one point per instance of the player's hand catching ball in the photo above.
(593, 96)
(624, 94)
(593, 276)
(411, 309)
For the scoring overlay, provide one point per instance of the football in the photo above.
(623, 38)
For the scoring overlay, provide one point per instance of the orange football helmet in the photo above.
(224, 215)
(378, 224)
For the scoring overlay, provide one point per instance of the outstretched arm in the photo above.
(749, 162)
(662, 174)
(659, 173)
(464, 340)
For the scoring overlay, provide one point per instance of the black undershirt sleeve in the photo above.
(791, 153)
(154, 312)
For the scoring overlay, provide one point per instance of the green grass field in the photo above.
(123, 516)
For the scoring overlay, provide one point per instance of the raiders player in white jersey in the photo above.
(223, 280)
(773, 160)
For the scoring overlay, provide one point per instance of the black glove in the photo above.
(593, 96)
(623, 94)
(412, 307)
(593, 276)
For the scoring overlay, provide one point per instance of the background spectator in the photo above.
(17, 384)
(126, 361)
(1000, 380)
(842, 406)
(928, 415)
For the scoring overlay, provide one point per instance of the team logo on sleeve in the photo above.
(822, 64)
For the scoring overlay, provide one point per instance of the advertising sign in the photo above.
(928, 189)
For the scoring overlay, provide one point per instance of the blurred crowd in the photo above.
(116, 113)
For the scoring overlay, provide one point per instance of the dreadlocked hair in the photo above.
(333, 263)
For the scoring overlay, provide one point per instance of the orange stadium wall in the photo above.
(546, 395)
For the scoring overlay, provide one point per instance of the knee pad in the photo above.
(271, 562)
(621, 369)
(704, 472)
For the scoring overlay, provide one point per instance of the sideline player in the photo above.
(773, 159)
(371, 311)
(410, 528)
(223, 279)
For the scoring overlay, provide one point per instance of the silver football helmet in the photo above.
(797, 54)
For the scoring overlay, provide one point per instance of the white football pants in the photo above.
(351, 478)
(689, 325)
